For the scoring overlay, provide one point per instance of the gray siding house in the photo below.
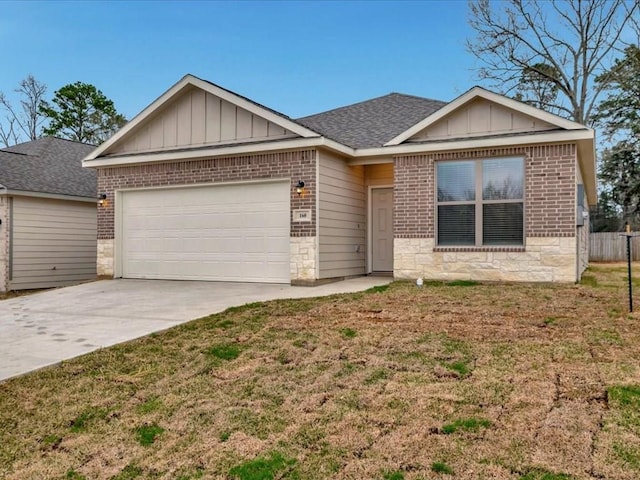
(47, 215)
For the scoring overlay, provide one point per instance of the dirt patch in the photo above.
(18, 293)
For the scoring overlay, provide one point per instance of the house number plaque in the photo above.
(302, 215)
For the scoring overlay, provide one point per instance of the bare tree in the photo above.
(24, 122)
(562, 45)
(8, 134)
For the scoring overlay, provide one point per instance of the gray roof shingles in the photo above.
(367, 124)
(374, 122)
(48, 165)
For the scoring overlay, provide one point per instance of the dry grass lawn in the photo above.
(18, 293)
(462, 380)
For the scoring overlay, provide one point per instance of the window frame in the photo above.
(479, 203)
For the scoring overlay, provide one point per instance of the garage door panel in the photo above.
(53, 242)
(226, 233)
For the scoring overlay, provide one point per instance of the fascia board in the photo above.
(541, 137)
(52, 196)
(240, 149)
(587, 163)
(338, 147)
(478, 92)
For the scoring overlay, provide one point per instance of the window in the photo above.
(480, 202)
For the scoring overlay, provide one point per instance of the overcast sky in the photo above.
(296, 57)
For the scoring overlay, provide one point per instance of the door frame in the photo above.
(370, 223)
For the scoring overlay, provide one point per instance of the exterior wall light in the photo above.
(300, 188)
(102, 200)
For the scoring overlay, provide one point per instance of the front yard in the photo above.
(459, 380)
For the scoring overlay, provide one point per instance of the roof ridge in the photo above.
(370, 100)
(68, 140)
(419, 97)
(342, 107)
(4, 150)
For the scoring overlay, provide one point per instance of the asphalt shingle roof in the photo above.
(374, 122)
(48, 165)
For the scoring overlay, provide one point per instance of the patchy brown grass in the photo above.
(19, 293)
(468, 382)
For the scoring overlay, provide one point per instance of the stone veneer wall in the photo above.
(4, 243)
(546, 259)
(297, 165)
(549, 253)
(303, 258)
(105, 257)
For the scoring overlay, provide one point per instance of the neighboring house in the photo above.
(47, 214)
(204, 184)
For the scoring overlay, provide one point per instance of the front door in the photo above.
(382, 229)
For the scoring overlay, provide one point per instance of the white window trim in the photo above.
(479, 202)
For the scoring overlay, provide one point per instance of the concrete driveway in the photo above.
(44, 328)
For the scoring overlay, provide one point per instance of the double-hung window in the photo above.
(480, 202)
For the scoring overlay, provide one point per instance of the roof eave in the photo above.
(52, 196)
(584, 139)
(240, 149)
(483, 142)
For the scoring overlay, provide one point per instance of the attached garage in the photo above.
(224, 232)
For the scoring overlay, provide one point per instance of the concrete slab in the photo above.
(48, 327)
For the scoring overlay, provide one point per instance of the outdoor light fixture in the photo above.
(102, 200)
(300, 187)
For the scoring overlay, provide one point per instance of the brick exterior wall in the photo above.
(297, 165)
(550, 182)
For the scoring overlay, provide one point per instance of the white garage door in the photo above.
(236, 233)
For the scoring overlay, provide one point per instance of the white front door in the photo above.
(382, 229)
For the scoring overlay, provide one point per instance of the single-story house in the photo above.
(205, 184)
(48, 220)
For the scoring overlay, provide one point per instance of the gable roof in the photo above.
(374, 122)
(232, 97)
(479, 92)
(48, 165)
(364, 132)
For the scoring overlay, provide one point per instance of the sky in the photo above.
(297, 57)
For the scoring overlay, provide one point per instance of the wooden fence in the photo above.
(612, 247)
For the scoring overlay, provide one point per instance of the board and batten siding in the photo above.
(481, 117)
(52, 242)
(341, 217)
(198, 118)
